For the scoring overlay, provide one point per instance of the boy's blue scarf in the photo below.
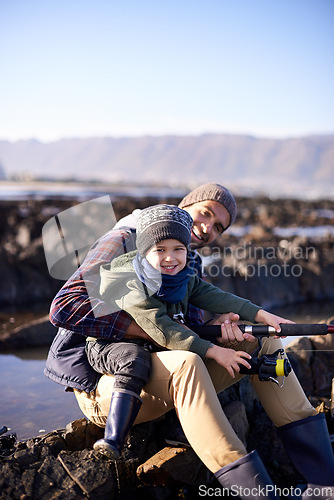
(169, 288)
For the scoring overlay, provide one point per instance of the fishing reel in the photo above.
(6, 442)
(268, 366)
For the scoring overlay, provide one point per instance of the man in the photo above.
(179, 380)
(213, 210)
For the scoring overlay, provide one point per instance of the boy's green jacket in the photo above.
(122, 290)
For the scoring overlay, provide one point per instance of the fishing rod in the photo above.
(287, 330)
(267, 366)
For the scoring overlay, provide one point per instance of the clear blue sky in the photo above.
(87, 68)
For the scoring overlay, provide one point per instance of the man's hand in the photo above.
(231, 333)
(270, 319)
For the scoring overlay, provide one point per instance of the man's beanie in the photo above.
(213, 192)
(162, 222)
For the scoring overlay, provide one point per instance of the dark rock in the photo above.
(27, 457)
(95, 477)
(263, 437)
(33, 333)
(10, 481)
(50, 477)
(235, 411)
(26, 280)
(273, 271)
(75, 434)
(173, 465)
(40, 468)
(28, 479)
(313, 360)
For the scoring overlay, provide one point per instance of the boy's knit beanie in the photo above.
(162, 222)
(214, 192)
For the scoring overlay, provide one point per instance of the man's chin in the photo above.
(196, 244)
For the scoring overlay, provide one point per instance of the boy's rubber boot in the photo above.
(124, 408)
(247, 478)
(308, 446)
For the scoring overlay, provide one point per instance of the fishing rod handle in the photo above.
(287, 330)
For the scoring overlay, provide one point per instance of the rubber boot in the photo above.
(309, 448)
(124, 408)
(247, 478)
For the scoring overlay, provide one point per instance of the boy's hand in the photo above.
(228, 358)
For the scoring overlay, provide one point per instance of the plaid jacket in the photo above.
(78, 313)
(77, 306)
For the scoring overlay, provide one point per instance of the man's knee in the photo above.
(270, 345)
(192, 358)
(190, 361)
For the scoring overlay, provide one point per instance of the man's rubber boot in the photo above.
(309, 448)
(124, 408)
(247, 478)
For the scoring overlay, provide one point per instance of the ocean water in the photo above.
(31, 403)
(15, 190)
(313, 232)
(49, 190)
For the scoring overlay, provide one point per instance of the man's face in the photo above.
(210, 220)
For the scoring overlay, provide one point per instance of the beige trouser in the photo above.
(181, 380)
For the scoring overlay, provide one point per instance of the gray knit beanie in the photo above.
(162, 222)
(214, 192)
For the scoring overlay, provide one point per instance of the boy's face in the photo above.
(210, 220)
(168, 256)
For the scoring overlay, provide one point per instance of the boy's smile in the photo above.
(168, 256)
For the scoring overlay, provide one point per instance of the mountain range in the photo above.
(176, 160)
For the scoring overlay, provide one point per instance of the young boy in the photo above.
(154, 285)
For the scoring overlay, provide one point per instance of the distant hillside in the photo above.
(171, 160)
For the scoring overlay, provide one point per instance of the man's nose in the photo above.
(206, 228)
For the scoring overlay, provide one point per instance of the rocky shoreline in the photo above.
(62, 464)
(251, 258)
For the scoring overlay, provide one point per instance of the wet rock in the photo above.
(33, 333)
(95, 477)
(25, 276)
(313, 360)
(28, 456)
(61, 464)
(173, 465)
(271, 271)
